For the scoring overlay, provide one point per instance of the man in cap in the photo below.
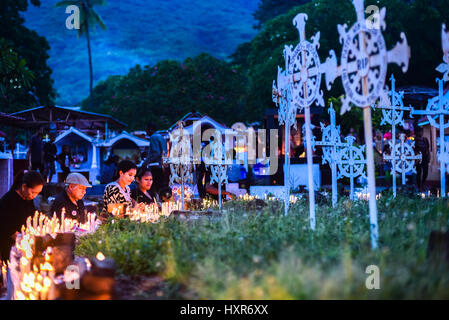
(71, 199)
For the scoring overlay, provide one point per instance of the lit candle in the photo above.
(36, 214)
(28, 223)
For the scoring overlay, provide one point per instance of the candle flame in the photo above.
(47, 282)
(100, 256)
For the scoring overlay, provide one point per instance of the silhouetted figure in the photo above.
(422, 168)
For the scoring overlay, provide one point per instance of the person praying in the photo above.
(143, 193)
(71, 199)
(16, 206)
(117, 194)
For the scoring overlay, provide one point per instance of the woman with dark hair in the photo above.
(143, 194)
(117, 194)
(16, 206)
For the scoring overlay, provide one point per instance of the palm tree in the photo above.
(88, 19)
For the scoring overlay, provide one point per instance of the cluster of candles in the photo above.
(428, 195)
(365, 196)
(150, 213)
(40, 224)
(36, 283)
(209, 203)
(247, 197)
(37, 277)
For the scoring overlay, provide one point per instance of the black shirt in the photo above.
(50, 152)
(61, 159)
(36, 148)
(13, 214)
(72, 211)
(141, 197)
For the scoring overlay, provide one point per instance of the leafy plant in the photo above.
(260, 254)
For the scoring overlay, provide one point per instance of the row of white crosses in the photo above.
(363, 70)
(402, 156)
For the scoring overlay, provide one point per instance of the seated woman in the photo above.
(142, 193)
(16, 206)
(117, 194)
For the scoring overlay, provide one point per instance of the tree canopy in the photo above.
(165, 92)
(30, 47)
(268, 9)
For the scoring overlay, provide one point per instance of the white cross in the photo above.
(363, 69)
(331, 142)
(219, 164)
(180, 159)
(438, 107)
(302, 80)
(351, 162)
(402, 157)
(393, 114)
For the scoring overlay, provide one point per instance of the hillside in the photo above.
(139, 32)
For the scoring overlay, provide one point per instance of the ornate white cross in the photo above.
(363, 69)
(438, 107)
(402, 157)
(218, 164)
(282, 97)
(351, 163)
(331, 142)
(303, 78)
(180, 159)
(393, 114)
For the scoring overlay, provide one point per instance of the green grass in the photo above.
(250, 254)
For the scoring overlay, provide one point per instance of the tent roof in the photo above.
(85, 121)
(10, 120)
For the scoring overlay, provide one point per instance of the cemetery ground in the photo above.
(252, 251)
